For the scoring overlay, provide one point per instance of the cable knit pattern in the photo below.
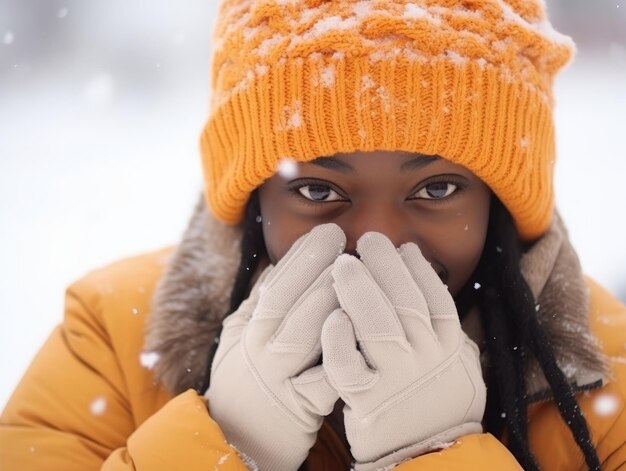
(467, 80)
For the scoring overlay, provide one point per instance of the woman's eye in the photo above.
(436, 191)
(319, 193)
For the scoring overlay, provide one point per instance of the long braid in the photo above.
(564, 395)
(252, 251)
(505, 378)
(506, 368)
(507, 304)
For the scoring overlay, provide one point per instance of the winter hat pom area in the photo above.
(470, 81)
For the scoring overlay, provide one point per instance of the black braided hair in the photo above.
(512, 330)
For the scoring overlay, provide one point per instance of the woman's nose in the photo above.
(392, 223)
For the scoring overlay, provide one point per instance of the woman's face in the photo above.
(440, 206)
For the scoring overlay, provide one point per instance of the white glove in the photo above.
(266, 393)
(395, 352)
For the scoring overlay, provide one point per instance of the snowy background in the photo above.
(101, 105)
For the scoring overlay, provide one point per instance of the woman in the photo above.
(380, 277)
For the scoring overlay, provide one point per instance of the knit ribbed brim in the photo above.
(491, 114)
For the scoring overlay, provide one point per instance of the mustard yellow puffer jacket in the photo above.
(88, 403)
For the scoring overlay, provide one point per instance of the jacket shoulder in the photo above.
(607, 318)
(106, 313)
(88, 389)
(131, 278)
(604, 409)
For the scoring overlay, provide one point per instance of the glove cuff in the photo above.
(438, 442)
(268, 455)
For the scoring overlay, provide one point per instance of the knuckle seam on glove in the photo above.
(359, 336)
(307, 407)
(445, 317)
(256, 316)
(270, 394)
(413, 314)
(304, 404)
(399, 339)
(474, 390)
(299, 380)
(289, 347)
(360, 386)
(410, 390)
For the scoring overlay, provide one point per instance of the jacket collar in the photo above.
(553, 272)
(193, 295)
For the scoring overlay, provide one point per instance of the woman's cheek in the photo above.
(463, 256)
(276, 243)
(280, 235)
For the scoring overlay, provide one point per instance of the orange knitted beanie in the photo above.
(468, 80)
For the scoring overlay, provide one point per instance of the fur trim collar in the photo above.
(193, 296)
(191, 299)
(554, 275)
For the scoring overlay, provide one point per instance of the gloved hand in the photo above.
(395, 352)
(266, 393)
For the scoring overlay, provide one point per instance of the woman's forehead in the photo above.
(398, 162)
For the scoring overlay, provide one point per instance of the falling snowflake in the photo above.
(99, 90)
(98, 405)
(148, 359)
(62, 13)
(287, 168)
(9, 37)
(605, 404)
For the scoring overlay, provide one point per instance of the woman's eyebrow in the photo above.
(418, 162)
(333, 163)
